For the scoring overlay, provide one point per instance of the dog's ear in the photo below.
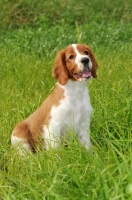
(94, 62)
(60, 71)
(94, 65)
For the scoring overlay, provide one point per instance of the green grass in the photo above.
(16, 13)
(26, 60)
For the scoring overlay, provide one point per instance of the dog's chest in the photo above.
(74, 108)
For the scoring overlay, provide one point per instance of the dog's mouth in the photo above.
(84, 74)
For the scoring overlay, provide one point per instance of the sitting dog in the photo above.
(67, 107)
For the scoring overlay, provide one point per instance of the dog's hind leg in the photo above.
(21, 138)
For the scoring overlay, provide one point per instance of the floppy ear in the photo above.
(95, 65)
(60, 71)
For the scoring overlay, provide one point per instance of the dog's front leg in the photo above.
(84, 138)
(51, 136)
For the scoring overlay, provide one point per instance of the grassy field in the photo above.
(30, 36)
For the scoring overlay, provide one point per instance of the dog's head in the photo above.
(76, 62)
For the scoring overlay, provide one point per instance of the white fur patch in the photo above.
(20, 144)
(79, 57)
(73, 112)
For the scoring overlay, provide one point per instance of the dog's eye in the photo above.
(71, 57)
(86, 52)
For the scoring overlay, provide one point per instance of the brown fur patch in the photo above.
(30, 130)
(64, 67)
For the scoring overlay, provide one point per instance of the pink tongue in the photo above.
(86, 73)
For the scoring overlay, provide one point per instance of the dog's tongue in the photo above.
(86, 73)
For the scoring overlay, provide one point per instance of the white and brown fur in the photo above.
(67, 107)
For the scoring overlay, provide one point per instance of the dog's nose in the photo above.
(85, 60)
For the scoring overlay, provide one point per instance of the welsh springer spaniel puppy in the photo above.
(66, 108)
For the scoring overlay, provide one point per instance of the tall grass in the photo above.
(26, 57)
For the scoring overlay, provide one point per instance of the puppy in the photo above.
(67, 107)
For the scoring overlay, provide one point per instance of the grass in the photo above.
(27, 56)
(18, 12)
